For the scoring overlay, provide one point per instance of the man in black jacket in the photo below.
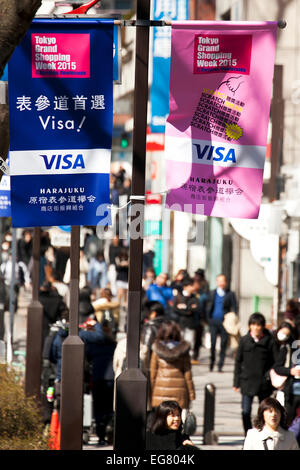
(186, 307)
(255, 356)
(220, 301)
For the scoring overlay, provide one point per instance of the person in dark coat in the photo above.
(287, 364)
(54, 308)
(85, 306)
(150, 328)
(166, 429)
(220, 301)
(100, 355)
(187, 309)
(255, 356)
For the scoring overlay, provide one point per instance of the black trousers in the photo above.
(217, 329)
(103, 396)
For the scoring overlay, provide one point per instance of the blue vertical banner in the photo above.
(159, 93)
(61, 112)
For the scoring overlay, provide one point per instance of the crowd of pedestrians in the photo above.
(176, 314)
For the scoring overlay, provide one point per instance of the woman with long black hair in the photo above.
(166, 430)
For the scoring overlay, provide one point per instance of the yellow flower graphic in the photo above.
(233, 131)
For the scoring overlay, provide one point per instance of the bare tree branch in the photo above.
(15, 18)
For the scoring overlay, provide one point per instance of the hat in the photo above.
(200, 272)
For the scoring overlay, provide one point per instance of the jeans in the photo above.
(246, 409)
(216, 328)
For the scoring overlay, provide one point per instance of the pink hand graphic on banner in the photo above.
(232, 83)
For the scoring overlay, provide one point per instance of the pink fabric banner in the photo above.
(216, 132)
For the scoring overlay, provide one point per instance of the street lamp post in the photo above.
(131, 385)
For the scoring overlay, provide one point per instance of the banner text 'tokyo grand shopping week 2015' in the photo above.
(216, 132)
(61, 109)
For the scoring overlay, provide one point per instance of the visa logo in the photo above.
(63, 162)
(216, 154)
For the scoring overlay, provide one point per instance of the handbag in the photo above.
(278, 381)
(231, 323)
(190, 423)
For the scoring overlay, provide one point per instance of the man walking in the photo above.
(255, 356)
(220, 301)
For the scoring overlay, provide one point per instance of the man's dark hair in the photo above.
(268, 404)
(158, 308)
(160, 418)
(187, 281)
(257, 319)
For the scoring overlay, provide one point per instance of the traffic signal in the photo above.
(124, 140)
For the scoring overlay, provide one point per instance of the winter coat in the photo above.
(99, 351)
(166, 440)
(252, 364)
(54, 308)
(162, 294)
(281, 440)
(170, 373)
(186, 315)
(229, 303)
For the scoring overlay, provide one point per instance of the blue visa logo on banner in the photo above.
(61, 111)
(159, 93)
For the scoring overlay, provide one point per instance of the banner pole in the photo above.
(131, 385)
(71, 411)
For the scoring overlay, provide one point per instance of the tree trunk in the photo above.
(15, 18)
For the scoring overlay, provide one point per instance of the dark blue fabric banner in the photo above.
(61, 111)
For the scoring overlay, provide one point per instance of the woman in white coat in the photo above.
(270, 431)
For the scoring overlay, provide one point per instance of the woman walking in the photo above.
(170, 368)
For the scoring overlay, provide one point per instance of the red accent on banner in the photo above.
(153, 198)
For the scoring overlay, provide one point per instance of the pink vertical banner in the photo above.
(216, 132)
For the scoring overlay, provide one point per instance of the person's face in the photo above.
(173, 421)
(222, 282)
(150, 275)
(272, 418)
(161, 280)
(256, 329)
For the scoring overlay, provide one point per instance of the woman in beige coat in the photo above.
(170, 367)
(270, 431)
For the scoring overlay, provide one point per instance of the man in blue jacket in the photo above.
(220, 301)
(159, 291)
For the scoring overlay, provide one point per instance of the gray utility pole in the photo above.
(131, 385)
(71, 411)
(34, 326)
